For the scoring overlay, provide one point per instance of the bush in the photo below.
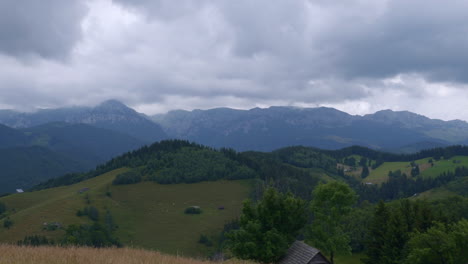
(2, 208)
(130, 177)
(90, 211)
(193, 210)
(90, 235)
(7, 223)
(52, 226)
(35, 241)
(205, 241)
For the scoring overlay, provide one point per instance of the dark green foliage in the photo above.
(52, 226)
(89, 235)
(377, 235)
(377, 163)
(87, 199)
(331, 203)
(268, 228)
(284, 177)
(109, 222)
(350, 161)
(363, 162)
(167, 162)
(446, 244)
(365, 172)
(449, 210)
(3, 208)
(397, 234)
(400, 185)
(415, 170)
(304, 157)
(193, 210)
(391, 226)
(228, 227)
(390, 157)
(90, 211)
(130, 177)
(205, 241)
(35, 241)
(292, 169)
(7, 223)
(189, 165)
(357, 224)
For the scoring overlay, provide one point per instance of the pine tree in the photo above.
(395, 239)
(377, 234)
(365, 172)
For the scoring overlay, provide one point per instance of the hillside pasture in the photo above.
(442, 166)
(148, 215)
(380, 174)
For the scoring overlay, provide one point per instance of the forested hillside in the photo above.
(36, 154)
(171, 185)
(374, 175)
(23, 167)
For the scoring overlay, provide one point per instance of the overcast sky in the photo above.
(359, 56)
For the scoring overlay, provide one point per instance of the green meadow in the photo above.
(380, 174)
(148, 215)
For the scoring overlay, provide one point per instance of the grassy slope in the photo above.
(380, 174)
(149, 215)
(53, 255)
(445, 165)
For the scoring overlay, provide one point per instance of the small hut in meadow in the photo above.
(301, 253)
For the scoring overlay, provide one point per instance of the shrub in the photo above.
(205, 240)
(90, 211)
(193, 210)
(130, 177)
(89, 235)
(7, 223)
(2, 208)
(35, 241)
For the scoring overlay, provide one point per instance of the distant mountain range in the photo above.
(112, 115)
(258, 129)
(276, 127)
(63, 140)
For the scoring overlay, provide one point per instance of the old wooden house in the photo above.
(301, 253)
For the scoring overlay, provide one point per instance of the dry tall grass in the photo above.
(10, 254)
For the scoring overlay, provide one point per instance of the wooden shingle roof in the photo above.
(299, 253)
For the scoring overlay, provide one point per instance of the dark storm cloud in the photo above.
(421, 36)
(48, 28)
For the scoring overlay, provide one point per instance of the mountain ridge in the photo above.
(111, 114)
(263, 129)
(320, 127)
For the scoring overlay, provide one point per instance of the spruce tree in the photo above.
(377, 234)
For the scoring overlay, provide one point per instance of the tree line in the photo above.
(402, 231)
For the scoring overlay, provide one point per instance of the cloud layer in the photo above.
(357, 55)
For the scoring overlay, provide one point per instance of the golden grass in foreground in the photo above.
(74, 255)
